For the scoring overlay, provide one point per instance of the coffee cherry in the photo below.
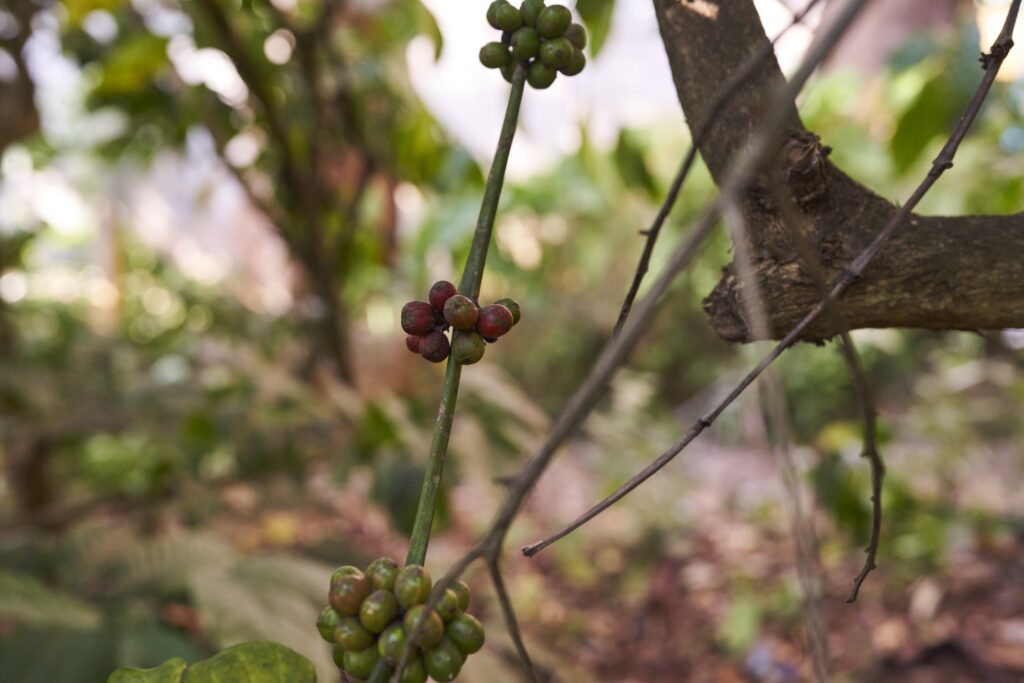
(414, 672)
(540, 76)
(461, 589)
(360, 663)
(553, 21)
(433, 628)
(392, 643)
(338, 654)
(466, 632)
(467, 347)
(460, 312)
(494, 56)
(507, 71)
(492, 13)
(441, 291)
(378, 610)
(577, 35)
(513, 306)
(346, 570)
(417, 317)
(382, 573)
(326, 622)
(412, 586)
(412, 342)
(556, 52)
(448, 607)
(529, 10)
(508, 18)
(444, 660)
(348, 593)
(434, 346)
(525, 44)
(351, 635)
(575, 64)
(494, 321)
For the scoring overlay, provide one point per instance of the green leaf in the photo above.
(256, 662)
(632, 166)
(597, 17)
(170, 671)
(26, 599)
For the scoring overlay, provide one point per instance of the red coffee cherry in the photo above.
(417, 318)
(513, 306)
(412, 342)
(494, 321)
(440, 292)
(434, 346)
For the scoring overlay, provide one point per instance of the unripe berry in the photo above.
(412, 586)
(444, 660)
(577, 35)
(382, 573)
(467, 347)
(525, 43)
(360, 663)
(461, 589)
(414, 672)
(440, 292)
(348, 593)
(466, 632)
(432, 630)
(530, 10)
(417, 318)
(507, 71)
(553, 21)
(540, 75)
(378, 610)
(492, 13)
(351, 635)
(575, 63)
(494, 321)
(412, 342)
(508, 18)
(391, 643)
(460, 312)
(434, 346)
(556, 52)
(513, 306)
(326, 623)
(495, 55)
(448, 607)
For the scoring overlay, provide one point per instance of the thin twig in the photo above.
(728, 89)
(991, 62)
(511, 623)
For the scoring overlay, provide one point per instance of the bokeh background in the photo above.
(211, 212)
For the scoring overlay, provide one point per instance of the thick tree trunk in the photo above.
(936, 273)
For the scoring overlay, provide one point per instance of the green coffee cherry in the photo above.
(351, 635)
(444, 660)
(492, 12)
(553, 21)
(461, 589)
(556, 52)
(576, 35)
(338, 655)
(448, 607)
(361, 662)
(466, 632)
(378, 610)
(326, 622)
(348, 593)
(467, 347)
(432, 630)
(529, 10)
(382, 572)
(575, 63)
(392, 643)
(508, 18)
(525, 44)
(513, 306)
(412, 586)
(495, 55)
(414, 672)
(507, 71)
(540, 75)
(347, 570)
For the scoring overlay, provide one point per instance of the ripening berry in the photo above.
(412, 342)
(351, 635)
(348, 593)
(448, 607)
(513, 306)
(378, 610)
(444, 660)
(494, 56)
(577, 35)
(326, 622)
(440, 292)
(575, 63)
(556, 52)
(412, 586)
(346, 570)
(494, 321)
(529, 10)
(460, 312)
(525, 44)
(553, 21)
(381, 573)
(360, 663)
(434, 346)
(466, 632)
(417, 318)
(432, 630)
(540, 76)
(461, 589)
(467, 347)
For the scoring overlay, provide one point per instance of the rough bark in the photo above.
(936, 273)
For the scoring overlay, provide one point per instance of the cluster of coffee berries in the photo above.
(372, 614)
(426, 322)
(543, 39)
